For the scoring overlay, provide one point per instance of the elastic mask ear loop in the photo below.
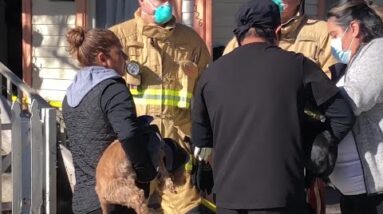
(352, 40)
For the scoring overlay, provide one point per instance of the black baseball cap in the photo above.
(264, 14)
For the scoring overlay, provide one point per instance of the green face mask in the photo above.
(163, 13)
(280, 5)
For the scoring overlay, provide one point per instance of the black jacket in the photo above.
(105, 113)
(249, 106)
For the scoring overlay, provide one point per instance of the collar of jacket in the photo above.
(290, 29)
(152, 30)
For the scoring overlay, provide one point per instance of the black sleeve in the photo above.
(201, 135)
(118, 105)
(339, 114)
(316, 83)
(337, 71)
(323, 93)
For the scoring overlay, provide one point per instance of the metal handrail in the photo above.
(39, 112)
(23, 88)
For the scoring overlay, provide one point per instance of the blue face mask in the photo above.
(338, 52)
(163, 13)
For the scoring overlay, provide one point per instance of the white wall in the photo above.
(223, 18)
(53, 69)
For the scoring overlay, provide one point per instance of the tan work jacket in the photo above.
(306, 36)
(162, 89)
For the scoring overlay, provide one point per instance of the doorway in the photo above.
(11, 36)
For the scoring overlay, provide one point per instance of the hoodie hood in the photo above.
(86, 80)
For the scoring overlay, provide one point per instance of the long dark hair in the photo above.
(371, 25)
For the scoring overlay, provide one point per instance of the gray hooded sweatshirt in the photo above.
(364, 86)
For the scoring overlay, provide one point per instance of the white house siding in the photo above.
(223, 18)
(53, 69)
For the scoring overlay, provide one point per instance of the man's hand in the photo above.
(202, 173)
(202, 177)
(190, 69)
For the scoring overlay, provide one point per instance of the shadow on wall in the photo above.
(50, 52)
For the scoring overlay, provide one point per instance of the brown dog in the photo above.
(115, 180)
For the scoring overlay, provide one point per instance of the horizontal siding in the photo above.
(50, 52)
(51, 29)
(54, 20)
(52, 84)
(54, 73)
(53, 68)
(48, 41)
(52, 95)
(55, 62)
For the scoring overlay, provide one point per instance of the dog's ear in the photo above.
(175, 156)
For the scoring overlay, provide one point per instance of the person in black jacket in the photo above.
(249, 107)
(98, 108)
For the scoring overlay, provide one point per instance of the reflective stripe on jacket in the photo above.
(163, 90)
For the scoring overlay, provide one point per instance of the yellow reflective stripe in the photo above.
(142, 101)
(212, 207)
(189, 165)
(26, 100)
(166, 92)
(56, 104)
(162, 97)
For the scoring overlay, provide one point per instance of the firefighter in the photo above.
(166, 59)
(301, 35)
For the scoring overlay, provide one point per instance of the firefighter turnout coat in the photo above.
(306, 36)
(162, 89)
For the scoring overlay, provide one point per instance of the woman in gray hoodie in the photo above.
(98, 108)
(356, 33)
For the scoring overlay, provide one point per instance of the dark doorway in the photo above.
(11, 35)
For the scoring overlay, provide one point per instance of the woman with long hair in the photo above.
(356, 32)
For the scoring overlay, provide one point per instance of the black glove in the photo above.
(138, 152)
(324, 152)
(202, 177)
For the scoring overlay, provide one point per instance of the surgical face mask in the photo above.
(162, 13)
(338, 52)
(280, 4)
